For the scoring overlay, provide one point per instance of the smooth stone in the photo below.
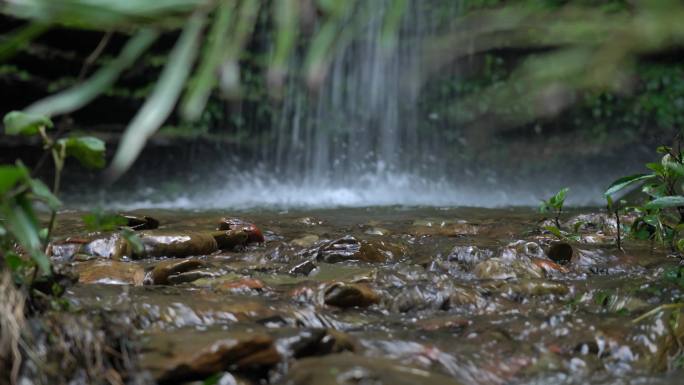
(242, 284)
(176, 244)
(230, 239)
(164, 269)
(111, 273)
(346, 295)
(469, 256)
(138, 223)
(444, 228)
(351, 249)
(303, 268)
(114, 246)
(498, 268)
(347, 369)
(241, 352)
(254, 234)
(305, 241)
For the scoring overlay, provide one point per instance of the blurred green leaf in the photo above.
(14, 262)
(20, 39)
(88, 150)
(101, 221)
(622, 183)
(160, 103)
(10, 176)
(665, 202)
(229, 75)
(133, 240)
(203, 82)
(79, 95)
(43, 193)
(21, 123)
(22, 224)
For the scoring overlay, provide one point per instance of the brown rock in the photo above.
(351, 249)
(244, 284)
(176, 244)
(164, 269)
(350, 295)
(254, 234)
(111, 272)
(248, 352)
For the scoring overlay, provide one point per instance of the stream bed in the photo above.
(388, 295)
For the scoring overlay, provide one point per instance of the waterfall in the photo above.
(361, 124)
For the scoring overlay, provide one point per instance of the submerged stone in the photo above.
(244, 353)
(305, 241)
(499, 268)
(351, 249)
(254, 234)
(176, 244)
(350, 295)
(165, 271)
(469, 256)
(111, 273)
(347, 369)
(138, 223)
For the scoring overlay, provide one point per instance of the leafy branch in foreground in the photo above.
(20, 231)
(661, 216)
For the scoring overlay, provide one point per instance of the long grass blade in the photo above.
(78, 96)
(204, 81)
(160, 103)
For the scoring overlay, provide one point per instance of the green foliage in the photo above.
(21, 123)
(662, 215)
(555, 206)
(88, 150)
(20, 231)
(98, 220)
(20, 226)
(555, 203)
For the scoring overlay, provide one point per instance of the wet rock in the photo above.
(593, 222)
(248, 352)
(166, 272)
(469, 256)
(377, 231)
(521, 249)
(537, 287)
(254, 234)
(444, 228)
(560, 252)
(461, 296)
(113, 246)
(176, 244)
(319, 342)
(347, 369)
(231, 239)
(305, 241)
(243, 284)
(498, 268)
(346, 295)
(549, 267)
(111, 272)
(138, 223)
(351, 249)
(451, 323)
(419, 297)
(65, 250)
(303, 268)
